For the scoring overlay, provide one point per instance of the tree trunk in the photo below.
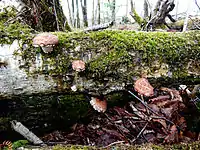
(113, 11)
(132, 5)
(146, 11)
(99, 12)
(44, 15)
(93, 10)
(161, 11)
(77, 15)
(70, 15)
(73, 16)
(186, 17)
(84, 11)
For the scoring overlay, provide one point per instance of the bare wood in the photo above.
(20, 128)
(160, 12)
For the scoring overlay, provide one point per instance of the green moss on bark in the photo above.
(118, 54)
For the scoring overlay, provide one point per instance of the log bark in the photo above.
(110, 67)
(36, 87)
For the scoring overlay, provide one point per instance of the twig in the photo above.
(146, 27)
(99, 27)
(161, 117)
(114, 143)
(143, 102)
(138, 113)
(117, 128)
(195, 23)
(20, 128)
(197, 4)
(140, 132)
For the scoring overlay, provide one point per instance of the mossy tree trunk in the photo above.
(113, 59)
(44, 15)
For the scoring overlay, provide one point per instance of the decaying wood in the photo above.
(20, 128)
(99, 27)
(16, 82)
(161, 11)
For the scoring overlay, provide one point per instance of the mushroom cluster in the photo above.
(46, 41)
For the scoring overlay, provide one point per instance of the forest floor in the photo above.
(169, 119)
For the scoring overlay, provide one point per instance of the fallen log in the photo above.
(113, 60)
(36, 86)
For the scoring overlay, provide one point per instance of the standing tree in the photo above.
(113, 11)
(146, 11)
(70, 15)
(84, 11)
(99, 12)
(77, 15)
(46, 15)
(93, 18)
(73, 16)
(161, 11)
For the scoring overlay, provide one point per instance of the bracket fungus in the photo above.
(46, 41)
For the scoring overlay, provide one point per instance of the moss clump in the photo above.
(19, 143)
(72, 147)
(14, 30)
(182, 146)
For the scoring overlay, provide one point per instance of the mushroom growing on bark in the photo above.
(46, 41)
(99, 105)
(78, 65)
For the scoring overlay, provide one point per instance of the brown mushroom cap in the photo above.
(98, 105)
(45, 39)
(78, 65)
(143, 87)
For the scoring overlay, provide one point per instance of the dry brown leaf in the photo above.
(167, 111)
(173, 137)
(159, 99)
(161, 121)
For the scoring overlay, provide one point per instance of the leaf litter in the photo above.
(159, 119)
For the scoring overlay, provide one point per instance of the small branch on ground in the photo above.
(140, 133)
(20, 128)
